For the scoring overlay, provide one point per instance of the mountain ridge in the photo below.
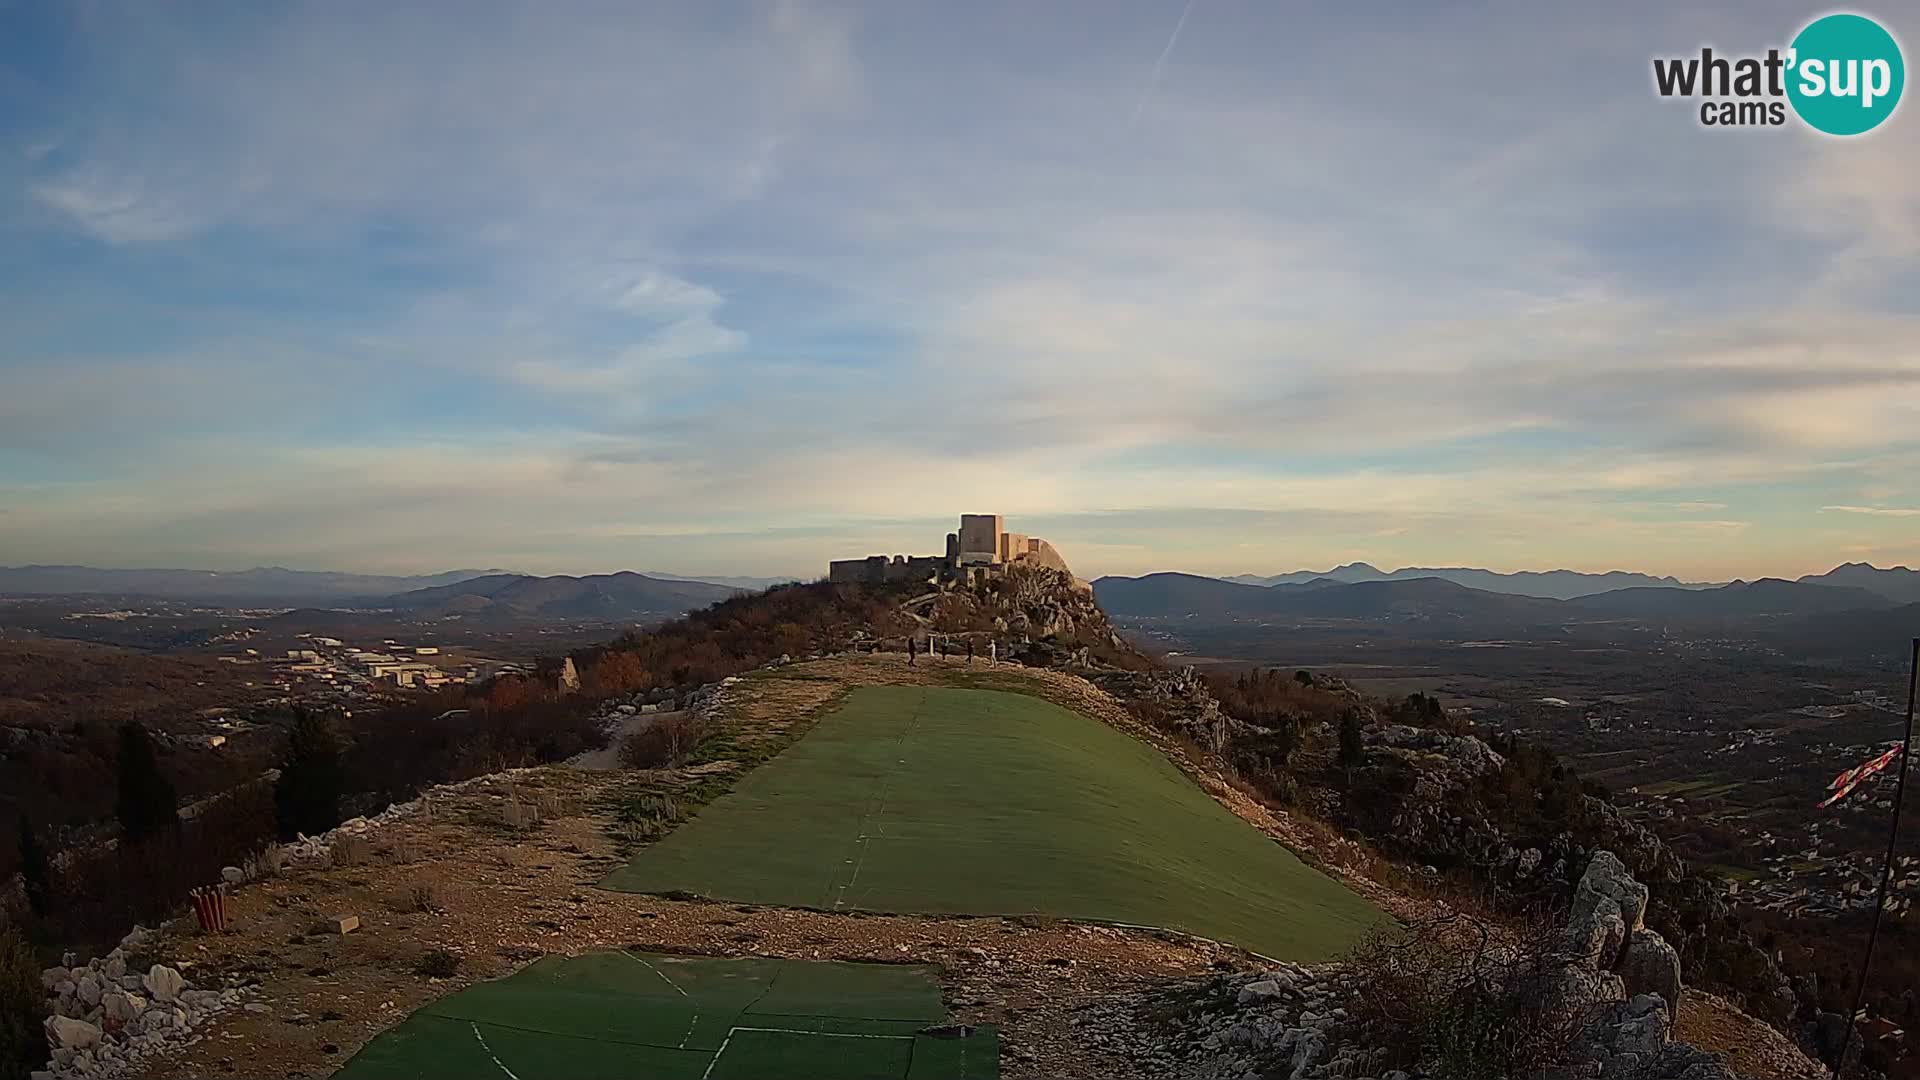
(618, 595)
(1549, 584)
(1173, 595)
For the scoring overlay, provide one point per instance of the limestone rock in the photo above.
(1262, 991)
(66, 1033)
(1606, 891)
(1651, 966)
(121, 1006)
(164, 983)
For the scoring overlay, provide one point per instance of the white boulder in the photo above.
(164, 983)
(66, 1033)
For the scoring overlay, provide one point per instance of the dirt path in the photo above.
(608, 757)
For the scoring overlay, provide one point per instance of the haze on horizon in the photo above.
(741, 287)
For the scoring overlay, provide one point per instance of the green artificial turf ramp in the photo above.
(628, 1015)
(932, 800)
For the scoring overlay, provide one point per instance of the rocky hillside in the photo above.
(1503, 820)
(1597, 997)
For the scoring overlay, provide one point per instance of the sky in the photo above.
(738, 287)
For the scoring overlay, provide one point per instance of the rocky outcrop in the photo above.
(1470, 753)
(1603, 981)
(1651, 966)
(1632, 981)
(1286, 1022)
(1177, 701)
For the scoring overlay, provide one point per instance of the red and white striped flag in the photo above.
(1843, 785)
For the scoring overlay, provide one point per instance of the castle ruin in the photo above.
(981, 547)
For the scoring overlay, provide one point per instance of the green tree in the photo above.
(35, 869)
(307, 795)
(1352, 747)
(1303, 677)
(147, 803)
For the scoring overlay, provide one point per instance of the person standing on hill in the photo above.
(969, 652)
(913, 647)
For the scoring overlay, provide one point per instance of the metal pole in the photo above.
(1886, 874)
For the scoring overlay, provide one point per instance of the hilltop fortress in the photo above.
(982, 547)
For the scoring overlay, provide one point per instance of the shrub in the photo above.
(23, 1046)
(422, 900)
(1352, 748)
(437, 964)
(1462, 995)
(664, 743)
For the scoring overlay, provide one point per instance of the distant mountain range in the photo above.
(274, 586)
(622, 595)
(1191, 597)
(1550, 584)
(262, 585)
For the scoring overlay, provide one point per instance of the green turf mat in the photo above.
(933, 800)
(758, 1055)
(645, 1015)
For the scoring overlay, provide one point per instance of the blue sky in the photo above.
(739, 287)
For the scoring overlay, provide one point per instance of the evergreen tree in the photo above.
(307, 795)
(1352, 747)
(35, 869)
(147, 803)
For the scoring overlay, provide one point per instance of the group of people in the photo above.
(914, 650)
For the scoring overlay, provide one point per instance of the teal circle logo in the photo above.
(1845, 74)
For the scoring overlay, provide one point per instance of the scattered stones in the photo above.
(106, 1022)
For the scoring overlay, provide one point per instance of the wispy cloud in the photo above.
(838, 271)
(1876, 511)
